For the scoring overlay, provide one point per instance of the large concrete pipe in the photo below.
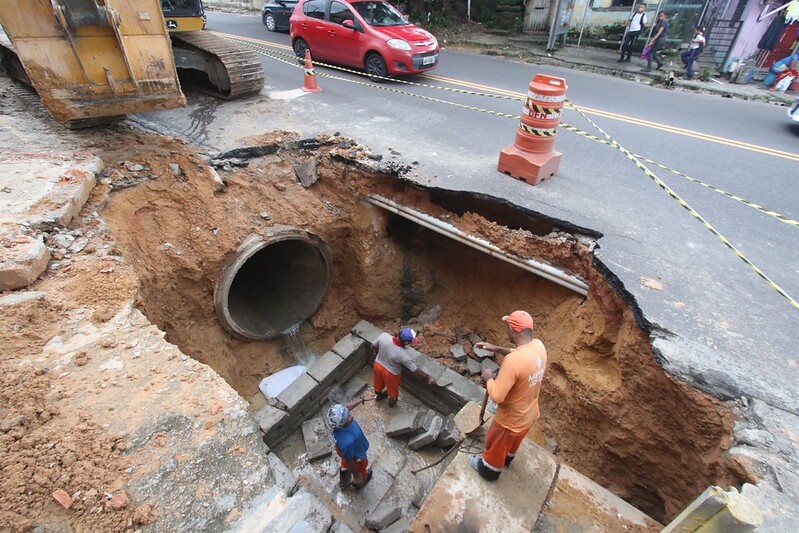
(272, 282)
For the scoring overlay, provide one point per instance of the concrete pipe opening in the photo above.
(272, 282)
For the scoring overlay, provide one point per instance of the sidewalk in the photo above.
(603, 61)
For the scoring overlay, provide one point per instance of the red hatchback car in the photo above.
(366, 34)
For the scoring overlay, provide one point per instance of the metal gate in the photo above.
(720, 38)
(536, 18)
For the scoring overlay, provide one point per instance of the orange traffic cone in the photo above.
(309, 85)
(532, 156)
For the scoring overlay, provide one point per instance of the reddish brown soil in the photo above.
(609, 409)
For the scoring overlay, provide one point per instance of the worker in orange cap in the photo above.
(515, 390)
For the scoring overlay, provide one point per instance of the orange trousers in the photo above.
(361, 463)
(384, 378)
(501, 445)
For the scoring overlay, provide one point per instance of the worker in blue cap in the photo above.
(391, 355)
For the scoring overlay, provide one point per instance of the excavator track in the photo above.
(243, 72)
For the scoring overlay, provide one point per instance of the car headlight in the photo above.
(398, 44)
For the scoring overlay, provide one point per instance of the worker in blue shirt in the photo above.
(351, 443)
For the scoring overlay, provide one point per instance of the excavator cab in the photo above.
(93, 58)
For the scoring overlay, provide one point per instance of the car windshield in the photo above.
(379, 14)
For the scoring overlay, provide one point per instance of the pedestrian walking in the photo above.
(515, 390)
(694, 51)
(391, 356)
(657, 41)
(635, 24)
(351, 444)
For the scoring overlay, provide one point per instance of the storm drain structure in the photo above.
(360, 244)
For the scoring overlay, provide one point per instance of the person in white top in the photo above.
(391, 355)
(694, 50)
(635, 24)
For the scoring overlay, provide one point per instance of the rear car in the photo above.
(366, 34)
(793, 111)
(275, 14)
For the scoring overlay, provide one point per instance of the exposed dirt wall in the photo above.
(607, 407)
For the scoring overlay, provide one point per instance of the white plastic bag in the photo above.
(783, 84)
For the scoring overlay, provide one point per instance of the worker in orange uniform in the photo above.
(515, 391)
(391, 356)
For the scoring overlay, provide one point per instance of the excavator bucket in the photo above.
(94, 58)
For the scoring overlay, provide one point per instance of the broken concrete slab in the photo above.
(473, 367)
(449, 435)
(283, 476)
(274, 512)
(45, 189)
(579, 504)
(366, 501)
(382, 517)
(463, 501)
(718, 510)
(318, 438)
(429, 436)
(404, 423)
(457, 352)
(22, 260)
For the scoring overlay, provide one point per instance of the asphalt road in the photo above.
(717, 323)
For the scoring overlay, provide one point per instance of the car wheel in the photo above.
(300, 46)
(269, 22)
(376, 67)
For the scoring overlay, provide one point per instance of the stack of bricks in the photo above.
(309, 392)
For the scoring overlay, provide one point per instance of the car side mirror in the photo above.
(349, 24)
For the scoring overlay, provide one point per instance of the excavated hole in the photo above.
(607, 407)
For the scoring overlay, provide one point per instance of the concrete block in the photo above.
(461, 500)
(424, 421)
(481, 354)
(298, 391)
(449, 435)
(268, 416)
(426, 364)
(457, 352)
(383, 516)
(473, 367)
(318, 438)
(468, 418)
(488, 364)
(282, 474)
(273, 512)
(354, 387)
(404, 423)
(429, 436)
(324, 368)
(403, 525)
(341, 527)
(348, 345)
(367, 331)
(22, 263)
(718, 510)
(466, 390)
(364, 502)
(449, 376)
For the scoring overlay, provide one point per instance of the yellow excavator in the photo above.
(90, 59)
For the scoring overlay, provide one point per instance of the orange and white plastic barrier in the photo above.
(532, 156)
(309, 85)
